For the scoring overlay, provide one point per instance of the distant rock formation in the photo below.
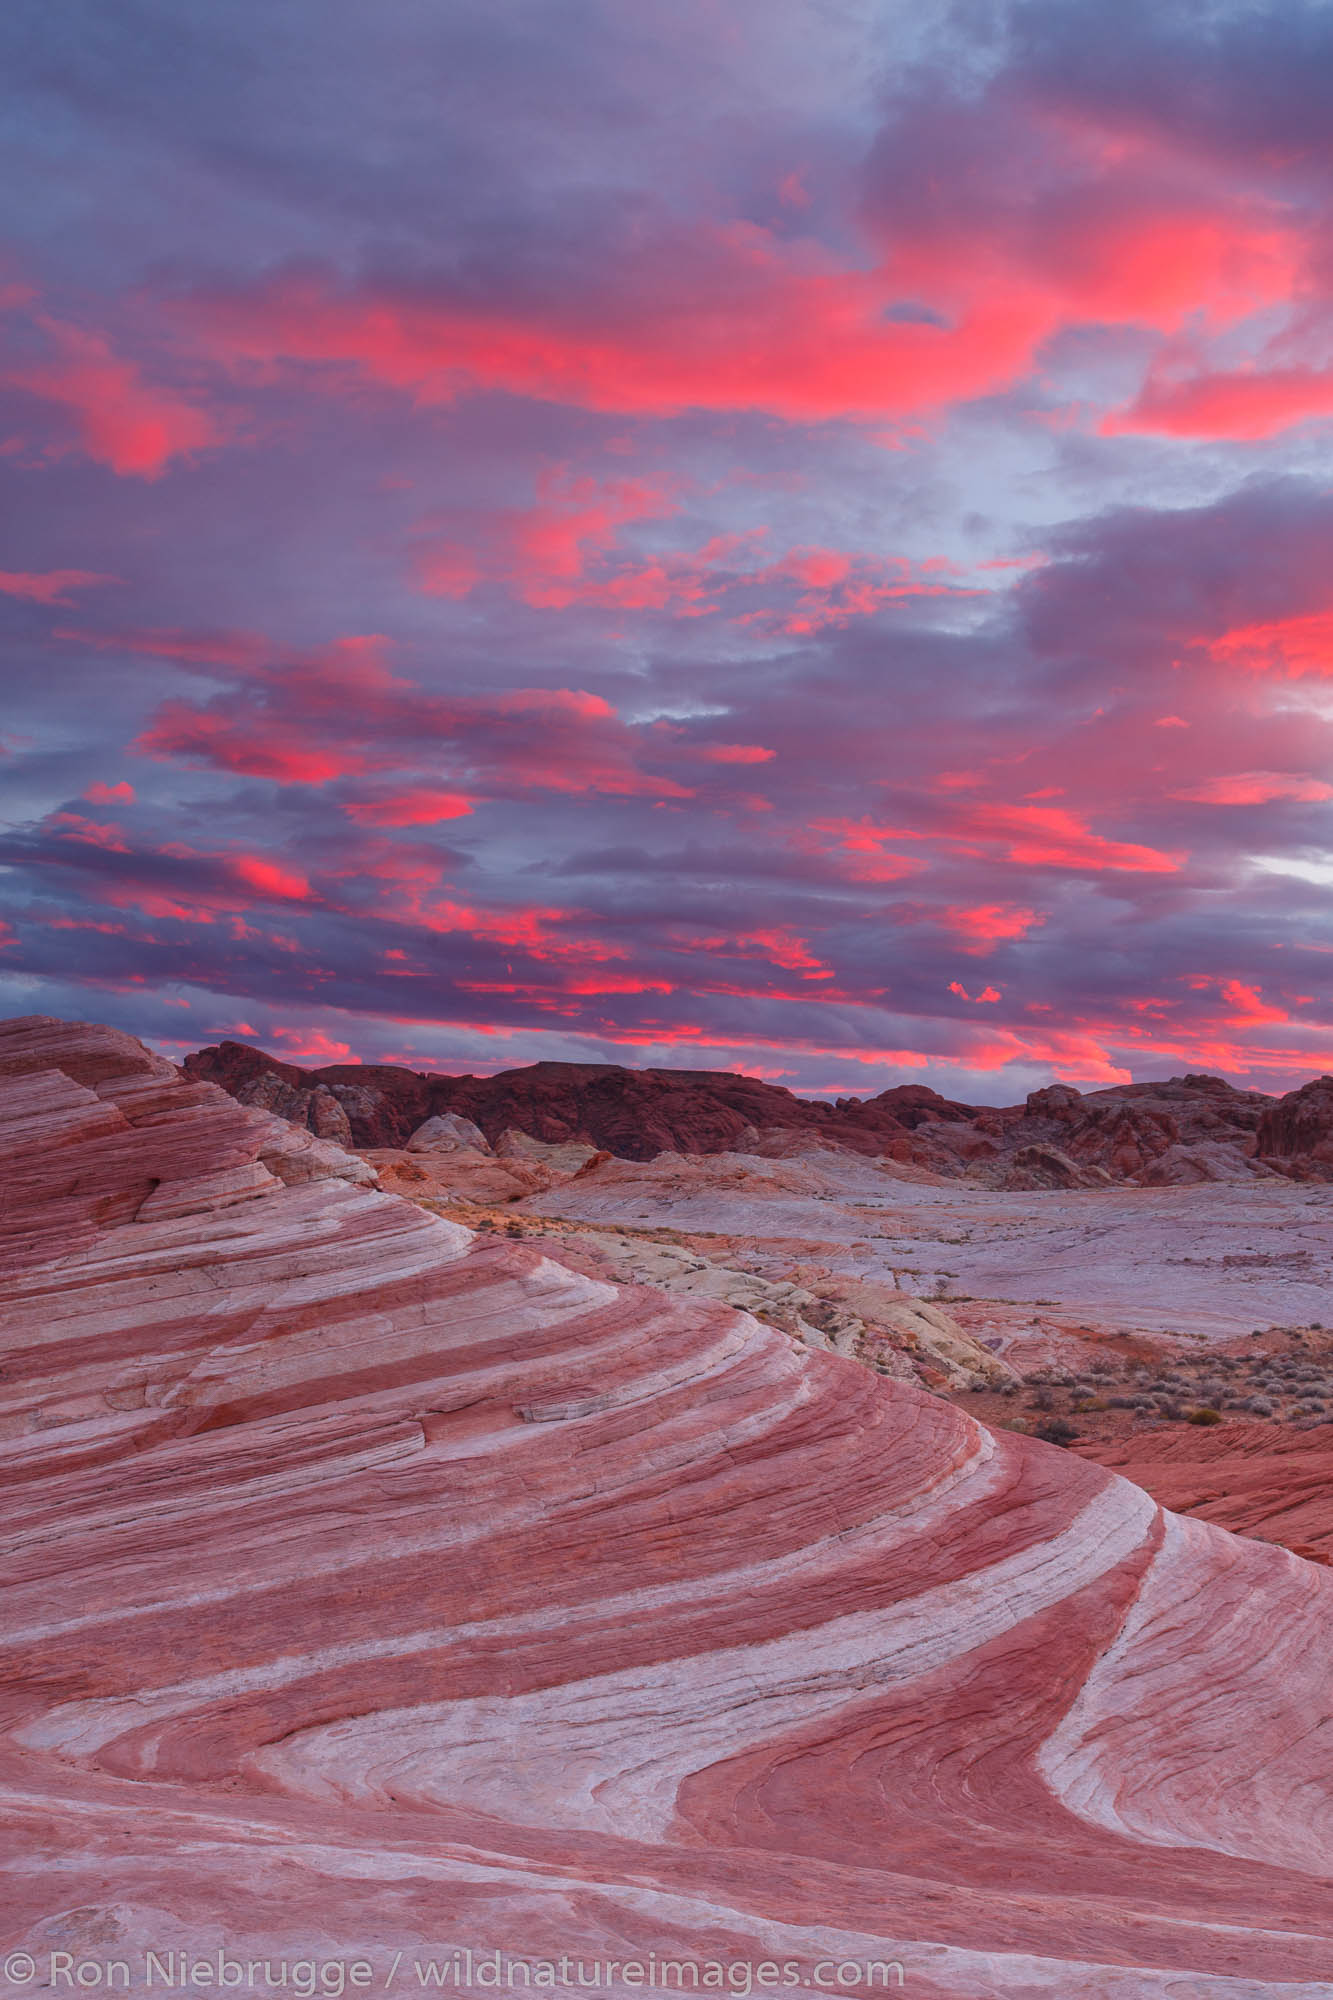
(1186, 1130)
(446, 1132)
(1296, 1133)
(371, 1588)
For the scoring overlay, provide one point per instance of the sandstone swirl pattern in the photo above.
(369, 1586)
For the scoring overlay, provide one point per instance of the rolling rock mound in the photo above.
(370, 1587)
(1257, 1479)
(1190, 1129)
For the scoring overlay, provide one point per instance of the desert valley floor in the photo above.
(578, 1558)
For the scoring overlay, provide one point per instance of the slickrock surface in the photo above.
(370, 1587)
(1256, 1479)
(1172, 1263)
(1189, 1129)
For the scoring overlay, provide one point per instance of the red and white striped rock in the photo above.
(373, 1588)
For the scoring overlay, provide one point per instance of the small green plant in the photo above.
(1204, 1415)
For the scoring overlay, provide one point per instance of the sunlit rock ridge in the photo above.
(371, 1587)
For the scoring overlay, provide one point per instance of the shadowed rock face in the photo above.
(1187, 1130)
(370, 1588)
(632, 1113)
(1298, 1131)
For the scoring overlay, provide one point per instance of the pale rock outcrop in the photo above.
(374, 1589)
(448, 1133)
(295, 1156)
(564, 1156)
(917, 1327)
(328, 1119)
(1177, 1263)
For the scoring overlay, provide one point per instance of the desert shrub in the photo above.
(1205, 1414)
(1259, 1406)
(1056, 1430)
(1168, 1407)
(1122, 1402)
(1043, 1400)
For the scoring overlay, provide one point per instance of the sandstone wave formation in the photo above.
(375, 1587)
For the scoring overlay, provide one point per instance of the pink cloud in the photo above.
(123, 422)
(1048, 837)
(736, 753)
(268, 879)
(980, 927)
(408, 808)
(1252, 788)
(1241, 404)
(51, 586)
(1297, 646)
(1248, 1005)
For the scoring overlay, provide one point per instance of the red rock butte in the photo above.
(371, 1587)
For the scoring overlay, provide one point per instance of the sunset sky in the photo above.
(782, 534)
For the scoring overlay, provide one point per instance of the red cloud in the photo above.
(1240, 403)
(305, 718)
(50, 586)
(122, 421)
(73, 826)
(409, 808)
(305, 1045)
(1248, 1005)
(268, 879)
(175, 880)
(867, 859)
(734, 318)
(104, 795)
(543, 552)
(1046, 837)
(1253, 788)
(1294, 646)
(736, 753)
(593, 983)
(566, 551)
(980, 927)
(255, 749)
